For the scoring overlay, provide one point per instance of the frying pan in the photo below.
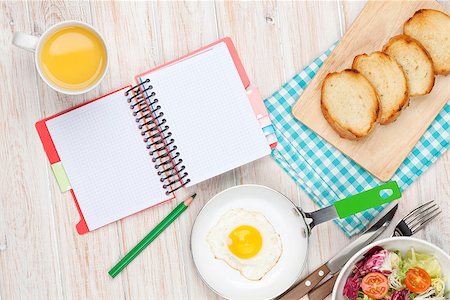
(292, 224)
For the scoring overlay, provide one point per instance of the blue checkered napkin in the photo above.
(324, 172)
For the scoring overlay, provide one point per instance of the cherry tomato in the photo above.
(417, 280)
(375, 285)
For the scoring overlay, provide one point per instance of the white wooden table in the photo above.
(41, 255)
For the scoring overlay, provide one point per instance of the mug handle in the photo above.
(25, 41)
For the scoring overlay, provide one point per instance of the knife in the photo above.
(334, 265)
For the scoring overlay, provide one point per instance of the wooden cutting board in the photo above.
(382, 152)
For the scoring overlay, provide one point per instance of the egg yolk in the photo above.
(245, 241)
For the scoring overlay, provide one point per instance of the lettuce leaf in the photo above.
(391, 263)
(439, 286)
(396, 280)
(427, 262)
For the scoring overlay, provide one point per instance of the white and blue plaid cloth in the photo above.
(324, 172)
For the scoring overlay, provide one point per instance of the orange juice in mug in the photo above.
(71, 56)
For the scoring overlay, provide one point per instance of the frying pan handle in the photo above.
(374, 197)
(346, 207)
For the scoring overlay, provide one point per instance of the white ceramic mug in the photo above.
(34, 44)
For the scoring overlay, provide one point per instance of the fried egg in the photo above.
(246, 241)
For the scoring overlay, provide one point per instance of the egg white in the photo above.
(253, 268)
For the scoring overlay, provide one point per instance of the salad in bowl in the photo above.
(396, 273)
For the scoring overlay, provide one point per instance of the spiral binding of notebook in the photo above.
(157, 136)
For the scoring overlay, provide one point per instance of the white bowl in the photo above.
(402, 244)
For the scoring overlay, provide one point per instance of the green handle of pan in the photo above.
(371, 198)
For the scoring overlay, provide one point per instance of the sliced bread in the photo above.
(389, 80)
(432, 29)
(415, 61)
(349, 103)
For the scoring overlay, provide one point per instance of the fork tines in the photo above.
(420, 216)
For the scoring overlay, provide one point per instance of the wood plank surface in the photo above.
(29, 262)
(41, 255)
(378, 22)
(77, 281)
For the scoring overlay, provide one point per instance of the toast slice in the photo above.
(389, 80)
(415, 61)
(349, 103)
(432, 29)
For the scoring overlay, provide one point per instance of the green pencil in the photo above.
(150, 237)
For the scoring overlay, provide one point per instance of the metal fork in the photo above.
(416, 219)
(409, 225)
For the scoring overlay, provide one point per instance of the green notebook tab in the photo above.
(61, 177)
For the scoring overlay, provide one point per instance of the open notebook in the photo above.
(182, 123)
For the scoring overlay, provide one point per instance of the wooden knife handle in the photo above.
(307, 284)
(323, 290)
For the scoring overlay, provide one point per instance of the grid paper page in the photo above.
(107, 163)
(209, 114)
